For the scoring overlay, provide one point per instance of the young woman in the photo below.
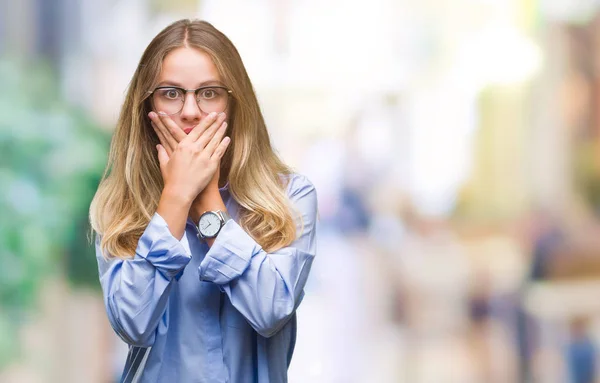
(204, 237)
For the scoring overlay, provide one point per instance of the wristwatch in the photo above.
(211, 222)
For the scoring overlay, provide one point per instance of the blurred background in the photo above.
(455, 150)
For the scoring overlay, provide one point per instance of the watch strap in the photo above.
(224, 216)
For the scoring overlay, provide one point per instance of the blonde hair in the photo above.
(132, 184)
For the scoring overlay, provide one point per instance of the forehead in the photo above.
(188, 67)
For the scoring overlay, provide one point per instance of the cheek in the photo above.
(227, 113)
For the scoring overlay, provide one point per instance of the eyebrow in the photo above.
(176, 84)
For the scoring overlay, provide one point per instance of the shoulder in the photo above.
(298, 185)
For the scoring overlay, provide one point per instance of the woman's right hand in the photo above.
(194, 160)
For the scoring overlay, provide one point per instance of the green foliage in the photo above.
(51, 159)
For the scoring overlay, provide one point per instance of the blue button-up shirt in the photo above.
(191, 313)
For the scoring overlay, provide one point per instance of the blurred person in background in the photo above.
(581, 352)
(205, 238)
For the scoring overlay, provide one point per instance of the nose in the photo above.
(190, 112)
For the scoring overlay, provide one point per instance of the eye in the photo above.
(208, 93)
(170, 93)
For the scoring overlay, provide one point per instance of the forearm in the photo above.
(265, 287)
(135, 299)
(271, 288)
(174, 209)
(268, 286)
(136, 290)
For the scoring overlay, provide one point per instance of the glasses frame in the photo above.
(150, 93)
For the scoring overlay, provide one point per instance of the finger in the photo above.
(209, 133)
(167, 134)
(163, 157)
(171, 127)
(216, 139)
(220, 151)
(204, 124)
(162, 139)
(168, 141)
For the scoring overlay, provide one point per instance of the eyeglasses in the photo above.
(170, 99)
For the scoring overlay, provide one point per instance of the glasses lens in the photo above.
(212, 99)
(168, 100)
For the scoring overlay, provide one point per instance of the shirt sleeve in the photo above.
(266, 288)
(136, 290)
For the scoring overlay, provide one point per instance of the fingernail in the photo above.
(212, 114)
(221, 114)
(151, 114)
(162, 113)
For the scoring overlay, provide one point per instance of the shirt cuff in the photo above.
(229, 256)
(158, 246)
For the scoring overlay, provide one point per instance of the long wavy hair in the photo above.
(132, 184)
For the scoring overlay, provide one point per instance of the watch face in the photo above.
(209, 224)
